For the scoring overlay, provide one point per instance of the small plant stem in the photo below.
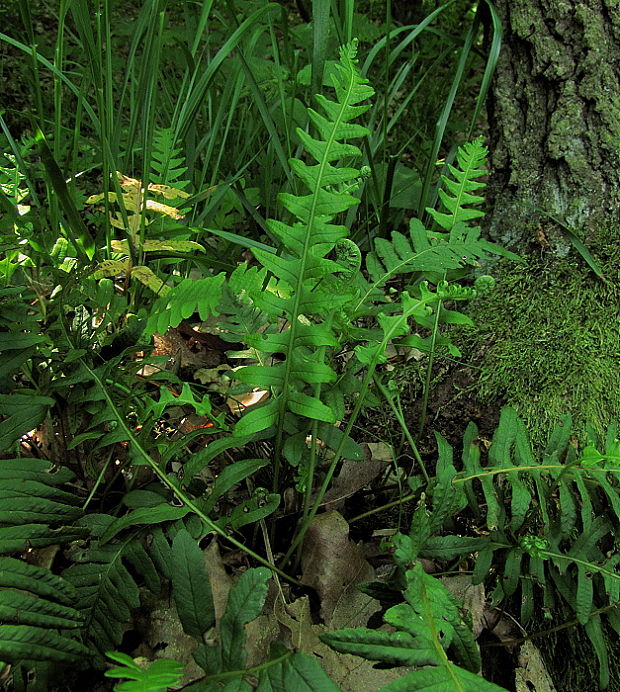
(171, 485)
(97, 483)
(429, 371)
(313, 445)
(396, 410)
(248, 671)
(545, 633)
(584, 563)
(389, 505)
(372, 366)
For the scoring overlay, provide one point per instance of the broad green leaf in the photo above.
(143, 516)
(450, 547)
(245, 603)
(11, 341)
(253, 510)
(299, 672)
(584, 595)
(258, 418)
(25, 413)
(157, 676)
(190, 586)
(230, 476)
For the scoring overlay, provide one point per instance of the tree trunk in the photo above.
(554, 117)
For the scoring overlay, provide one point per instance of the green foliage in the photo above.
(315, 311)
(459, 197)
(426, 625)
(38, 610)
(156, 677)
(30, 500)
(549, 525)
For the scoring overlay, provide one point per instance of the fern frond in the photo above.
(107, 590)
(167, 161)
(188, 297)
(428, 624)
(30, 500)
(36, 609)
(549, 522)
(459, 197)
(303, 264)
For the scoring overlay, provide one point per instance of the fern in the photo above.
(459, 199)
(104, 577)
(37, 610)
(167, 162)
(184, 300)
(34, 511)
(156, 677)
(434, 253)
(306, 243)
(427, 624)
(550, 524)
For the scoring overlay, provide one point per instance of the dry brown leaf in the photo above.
(243, 401)
(473, 598)
(532, 675)
(351, 673)
(380, 451)
(164, 636)
(353, 476)
(332, 565)
(219, 579)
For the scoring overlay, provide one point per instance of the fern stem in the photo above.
(547, 632)
(389, 505)
(248, 671)
(429, 369)
(180, 494)
(539, 467)
(396, 410)
(584, 563)
(388, 335)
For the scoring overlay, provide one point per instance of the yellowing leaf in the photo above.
(168, 192)
(159, 245)
(111, 268)
(163, 209)
(150, 280)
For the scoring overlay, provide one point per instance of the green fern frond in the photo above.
(167, 160)
(107, 591)
(428, 624)
(306, 243)
(37, 609)
(459, 197)
(549, 522)
(157, 676)
(30, 500)
(188, 297)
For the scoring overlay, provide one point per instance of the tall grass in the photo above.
(225, 77)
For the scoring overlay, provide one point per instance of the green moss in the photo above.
(548, 341)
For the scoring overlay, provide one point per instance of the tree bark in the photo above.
(554, 115)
